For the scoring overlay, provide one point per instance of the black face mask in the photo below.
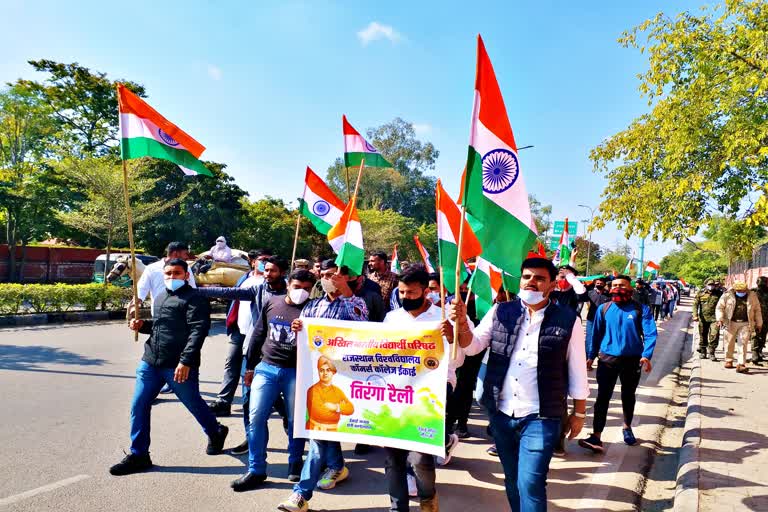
(412, 304)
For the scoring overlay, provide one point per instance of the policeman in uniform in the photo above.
(704, 304)
(758, 340)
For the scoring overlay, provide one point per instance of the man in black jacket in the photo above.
(171, 355)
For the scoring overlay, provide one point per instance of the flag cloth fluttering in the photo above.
(540, 252)
(630, 265)
(494, 189)
(424, 255)
(319, 204)
(448, 225)
(346, 238)
(394, 263)
(651, 269)
(486, 283)
(144, 132)
(563, 253)
(356, 148)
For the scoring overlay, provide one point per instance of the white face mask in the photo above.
(298, 296)
(531, 297)
(328, 286)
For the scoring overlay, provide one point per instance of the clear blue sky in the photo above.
(263, 87)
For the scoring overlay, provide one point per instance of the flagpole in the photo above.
(442, 299)
(129, 218)
(295, 238)
(454, 349)
(348, 187)
(357, 183)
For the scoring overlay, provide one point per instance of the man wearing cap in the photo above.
(704, 304)
(758, 341)
(738, 310)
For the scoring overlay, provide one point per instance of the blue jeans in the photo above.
(320, 455)
(525, 447)
(149, 380)
(588, 340)
(268, 382)
(672, 304)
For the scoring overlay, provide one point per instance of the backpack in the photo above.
(638, 315)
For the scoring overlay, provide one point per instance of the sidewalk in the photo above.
(731, 421)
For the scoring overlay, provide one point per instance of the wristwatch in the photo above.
(581, 415)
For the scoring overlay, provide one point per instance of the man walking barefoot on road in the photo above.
(536, 360)
(177, 331)
(624, 337)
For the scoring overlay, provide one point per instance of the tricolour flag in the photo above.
(494, 189)
(319, 204)
(144, 132)
(486, 283)
(346, 238)
(651, 268)
(394, 263)
(630, 265)
(540, 252)
(448, 225)
(424, 254)
(563, 253)
(356, 148)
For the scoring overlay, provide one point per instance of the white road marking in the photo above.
(40, 490)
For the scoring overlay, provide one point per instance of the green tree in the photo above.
(694, 263)
(405, 189)
(735, 240)
(103, 214)
(383, 229)
(211, 206)
(25, 189)
(611, 261)
(83, 105)
(703, 146)
(584, 247)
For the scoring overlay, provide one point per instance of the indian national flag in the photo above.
(144, 132)
(394, 263)
(494, 189)
(486, 283)
(356, 148)
(651, 268)
(630, 265)
(319, 204)
(563, 253)
(448, 225)
(424, 254)
(346, 238)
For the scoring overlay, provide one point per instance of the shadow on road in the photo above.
(16, 357)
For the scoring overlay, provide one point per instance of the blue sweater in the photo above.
(615, 332)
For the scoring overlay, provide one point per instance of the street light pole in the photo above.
(589, 240)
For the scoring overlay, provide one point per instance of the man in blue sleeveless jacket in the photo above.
(536, 360)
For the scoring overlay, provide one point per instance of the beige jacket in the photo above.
(727, 303)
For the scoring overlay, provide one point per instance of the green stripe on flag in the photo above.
(371, 160)
(481, 287)
(322, 226)
(447, 253)
(138, 147)
(351, 256)
(506, 241)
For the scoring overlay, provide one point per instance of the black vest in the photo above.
(552, 368)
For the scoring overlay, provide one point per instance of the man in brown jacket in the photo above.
(738, 311)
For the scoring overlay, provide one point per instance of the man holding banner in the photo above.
(536, 360)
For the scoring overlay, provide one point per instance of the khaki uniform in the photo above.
(758, 340)
(704, 304)
(736, 330)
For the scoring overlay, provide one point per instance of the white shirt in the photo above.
(244, 319)
(520, 391)
(432, 314)
(152, 282)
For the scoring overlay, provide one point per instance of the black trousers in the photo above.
(627, 369)
(656, 311)
(460, 401)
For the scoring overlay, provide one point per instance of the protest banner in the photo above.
(372, 383)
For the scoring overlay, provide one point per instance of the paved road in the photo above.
(65, 400)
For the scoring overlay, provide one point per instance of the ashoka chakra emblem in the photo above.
(321, 208)
(500, 170)
(167, 138)
(369, 148)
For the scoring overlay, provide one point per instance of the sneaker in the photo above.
(492, 451)
(412, 489)
(294, 471)
(216, 441)
(363, 449)
(629, 437)
(240, 449)
(331, 477)
(742, 369)
(592, 443)
(559, 451)
(713, 357)
(220, 408)
(131, 464)
(453, 442)
(248, 482)
(294, 503)
(462, 432)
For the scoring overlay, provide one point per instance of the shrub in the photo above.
(49, 298)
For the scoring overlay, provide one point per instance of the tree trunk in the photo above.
(23, 261)
(109, 251)
(11, 235)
